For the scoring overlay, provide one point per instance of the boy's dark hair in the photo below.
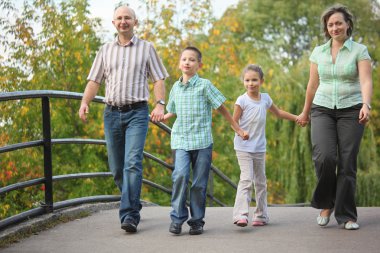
(337, 8)
(196, 50)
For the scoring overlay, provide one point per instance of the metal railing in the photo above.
(49, 205)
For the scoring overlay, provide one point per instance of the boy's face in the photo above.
(189, 63)
(252, 81)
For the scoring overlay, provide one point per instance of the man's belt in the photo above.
(126, 108)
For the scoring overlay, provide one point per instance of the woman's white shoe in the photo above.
(323, 220)
(350, 225)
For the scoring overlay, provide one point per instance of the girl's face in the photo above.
(252, 81)
(337, 26)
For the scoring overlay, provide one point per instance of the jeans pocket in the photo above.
(107, 110)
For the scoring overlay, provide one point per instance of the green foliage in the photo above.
(14, 169)
(52, 46)
(48, 46)
(280, 40)
(368, 188)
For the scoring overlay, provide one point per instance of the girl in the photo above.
(250, 114)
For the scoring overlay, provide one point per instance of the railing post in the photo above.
(48, 167)
(211, 187)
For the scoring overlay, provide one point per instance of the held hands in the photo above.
(168, 116)
(157, 115)
(302, 119)
(243, 134)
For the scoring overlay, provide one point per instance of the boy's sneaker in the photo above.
(242, 223)
(196, 229)
(258, 223)
(175, 228)
(129, 226)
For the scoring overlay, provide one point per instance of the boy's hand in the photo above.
(168, 116)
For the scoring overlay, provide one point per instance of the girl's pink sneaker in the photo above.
(258, 223)
(242, 222)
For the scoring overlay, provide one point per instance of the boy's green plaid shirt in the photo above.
(193, 103)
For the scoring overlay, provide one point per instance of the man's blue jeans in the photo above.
(200, 160)
(125, 134)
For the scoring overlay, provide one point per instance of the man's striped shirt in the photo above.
(126, 70)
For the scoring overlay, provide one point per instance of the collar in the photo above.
(191, 81)
(327, 46)
(133, 41)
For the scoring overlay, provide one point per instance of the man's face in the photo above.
(124, 20)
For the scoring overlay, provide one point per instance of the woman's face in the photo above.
(337, 26)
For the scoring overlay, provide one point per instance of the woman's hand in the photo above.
(364, 114)
(303, 119)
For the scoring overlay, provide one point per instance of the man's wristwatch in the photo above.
(368, 105)
(161, 102)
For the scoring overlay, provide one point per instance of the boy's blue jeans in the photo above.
(200, 160)
(125, 134)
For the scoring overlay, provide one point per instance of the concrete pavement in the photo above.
(291, 229)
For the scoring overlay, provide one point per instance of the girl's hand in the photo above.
(302, 119)
(243, 134)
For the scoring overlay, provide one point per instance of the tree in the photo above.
(52, 46)
(48, 47)
(282, 35)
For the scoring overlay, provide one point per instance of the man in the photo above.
(126, 64)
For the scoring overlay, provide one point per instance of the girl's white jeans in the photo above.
(252, 172)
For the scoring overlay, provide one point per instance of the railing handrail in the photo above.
(47, 142)
(15, 95)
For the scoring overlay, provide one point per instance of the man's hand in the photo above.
(89, 94)
(157, 115)
(83, 111)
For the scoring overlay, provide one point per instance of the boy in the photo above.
(191, 100)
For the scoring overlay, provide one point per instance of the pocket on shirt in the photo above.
(349, 71)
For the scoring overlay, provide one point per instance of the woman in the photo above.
(338, 95)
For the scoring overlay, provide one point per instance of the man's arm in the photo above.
(89, 94)
(157, 114)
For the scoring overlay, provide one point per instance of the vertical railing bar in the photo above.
(211, 187)
(48, 167)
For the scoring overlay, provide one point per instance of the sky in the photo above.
(104, 10)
